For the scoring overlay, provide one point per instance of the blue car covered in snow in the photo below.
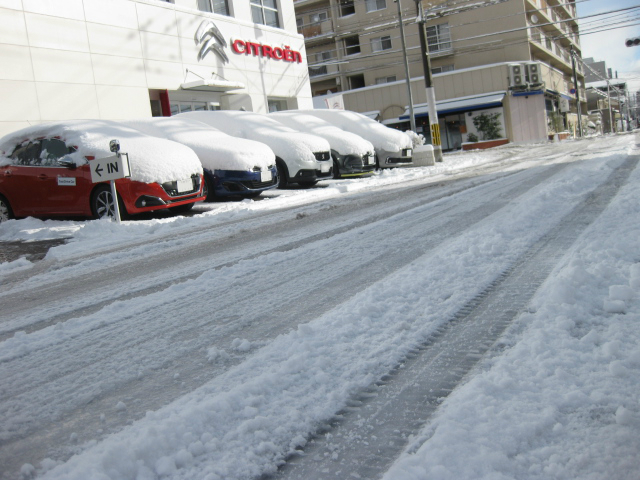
(233, 167)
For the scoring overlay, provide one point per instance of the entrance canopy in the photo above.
(211, 85)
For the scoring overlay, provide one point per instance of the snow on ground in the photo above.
(562, 400)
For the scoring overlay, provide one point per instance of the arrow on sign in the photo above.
(98, 170)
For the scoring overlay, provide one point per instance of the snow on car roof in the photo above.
(382, 137)
(216, 149)
(284, 141)
(344, 142)
(152, 159)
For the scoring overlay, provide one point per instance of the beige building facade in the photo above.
(481, 56)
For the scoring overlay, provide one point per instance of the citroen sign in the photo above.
(210, 39)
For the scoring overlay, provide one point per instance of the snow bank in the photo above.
(216, 149)
(344, 142)
(152, 159)
(285, 142)
(382, 137)
(563, 402)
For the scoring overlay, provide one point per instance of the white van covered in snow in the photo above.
(353, 156)
(393, 148)
(301, 158)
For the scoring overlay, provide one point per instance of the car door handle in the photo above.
(8, 173)
(42, 176)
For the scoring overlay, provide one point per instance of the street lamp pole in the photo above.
(428, 80)
(412, 117)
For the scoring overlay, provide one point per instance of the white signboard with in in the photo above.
(110, 168)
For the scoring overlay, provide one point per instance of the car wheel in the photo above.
(336, 169)
(5, 210)
(282, 175)
(102, 205)
(208, 190)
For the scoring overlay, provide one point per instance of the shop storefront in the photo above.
(70, 59)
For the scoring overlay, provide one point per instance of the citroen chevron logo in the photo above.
(210, 39)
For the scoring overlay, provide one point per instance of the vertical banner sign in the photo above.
(435, 134)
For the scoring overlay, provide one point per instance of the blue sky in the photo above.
(609, 45)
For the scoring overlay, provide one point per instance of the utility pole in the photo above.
(412, 117)
(612, 126)
(428, 80)
(575, 82)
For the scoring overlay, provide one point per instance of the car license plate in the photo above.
(265, 176)
(185, 185)
(325, 167)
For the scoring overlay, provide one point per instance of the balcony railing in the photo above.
(316, 29)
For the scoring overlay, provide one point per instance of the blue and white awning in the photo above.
(461, 104)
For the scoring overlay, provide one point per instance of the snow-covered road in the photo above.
(224, 344)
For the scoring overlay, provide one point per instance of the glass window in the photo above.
(442, 69)
(356, 81)
(318, 17)
(265, 12)
(390, 78)
(276, 105)
(381, 43)
(52, 150)
(215, 6)
(439, 38)
(352, 45)
(27, 154)
(373, 5)
(347, 8)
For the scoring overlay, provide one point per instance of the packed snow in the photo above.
(151, 159)
(382, 137)
(342, 141)
(285, 142)
(216, 149)
(559, 400)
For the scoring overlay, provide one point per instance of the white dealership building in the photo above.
(121, 59)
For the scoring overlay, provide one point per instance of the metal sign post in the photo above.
(110, 169)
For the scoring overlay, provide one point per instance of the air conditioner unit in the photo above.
(516, 75)
(533, 73)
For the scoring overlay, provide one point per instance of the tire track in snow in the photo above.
(365, 438)
(183, 349)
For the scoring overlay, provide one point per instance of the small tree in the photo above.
(488, 124)
(472, 137)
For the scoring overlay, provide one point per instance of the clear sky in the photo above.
(609, 45)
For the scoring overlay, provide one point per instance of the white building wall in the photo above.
(528, 118)
(63, 59)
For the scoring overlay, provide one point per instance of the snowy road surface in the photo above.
(383, 327)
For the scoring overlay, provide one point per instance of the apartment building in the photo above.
(480, 52)
(120, 59)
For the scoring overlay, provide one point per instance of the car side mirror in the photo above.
(66, 162)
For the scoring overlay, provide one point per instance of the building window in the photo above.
(388, 79)
(315, 70)
(356, 81)
(318, 18)
(381, 43)
(182, 107)
(373, 5)
(276, 105)
(347, 8)
(439, 38)
(442, 69)
(214, 6)
(265, 12)
(352, 45)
